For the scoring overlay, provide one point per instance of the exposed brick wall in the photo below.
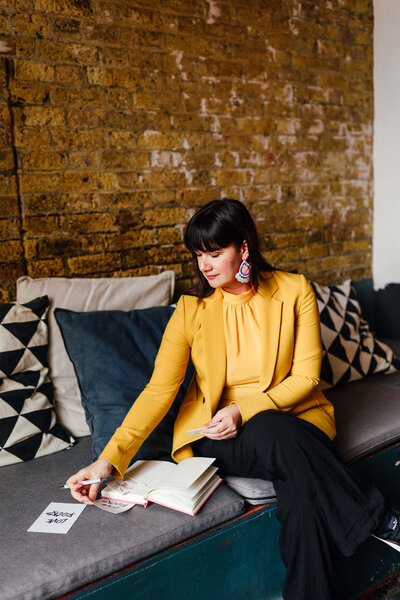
(130, 114)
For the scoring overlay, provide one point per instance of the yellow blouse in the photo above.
(243, 345)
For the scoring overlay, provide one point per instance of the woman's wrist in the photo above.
(105, 466)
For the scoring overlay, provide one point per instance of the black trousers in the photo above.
(323, 506)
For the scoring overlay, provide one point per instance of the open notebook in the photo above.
(184, 486)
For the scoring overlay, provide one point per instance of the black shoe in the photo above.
(388, 530)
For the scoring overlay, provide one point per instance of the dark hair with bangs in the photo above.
(219, 224)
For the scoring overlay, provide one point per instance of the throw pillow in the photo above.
(350, 350)
(113, 353)
(28, 425)
(86, 294)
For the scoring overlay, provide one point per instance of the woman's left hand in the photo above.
(227, 421)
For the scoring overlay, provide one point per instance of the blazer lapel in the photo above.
(270, 309)
(215, 357)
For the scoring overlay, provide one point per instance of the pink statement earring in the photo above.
(243, 274)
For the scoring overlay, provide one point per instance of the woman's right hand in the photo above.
(100, 469)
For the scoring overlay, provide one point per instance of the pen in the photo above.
(87, 482)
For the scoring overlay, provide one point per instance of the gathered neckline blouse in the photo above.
(243, 344)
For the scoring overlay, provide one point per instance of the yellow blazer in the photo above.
(291, 359)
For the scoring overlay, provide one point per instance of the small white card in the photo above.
(58, 517)
(196, 431)
(113, 506)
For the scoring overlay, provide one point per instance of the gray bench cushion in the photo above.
(43, 566)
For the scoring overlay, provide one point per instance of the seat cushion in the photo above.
(367, 415)
(43, 566)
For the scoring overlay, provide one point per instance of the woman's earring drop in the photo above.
(243, 274)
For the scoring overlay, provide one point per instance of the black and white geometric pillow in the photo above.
(28, 425)
(350, 350)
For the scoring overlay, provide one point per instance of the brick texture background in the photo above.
(120, 118)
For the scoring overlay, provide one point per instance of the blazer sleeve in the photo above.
(157, 397)
(304, 372)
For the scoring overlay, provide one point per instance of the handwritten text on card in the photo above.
(58, 517)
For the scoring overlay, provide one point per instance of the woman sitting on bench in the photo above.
(253, 334)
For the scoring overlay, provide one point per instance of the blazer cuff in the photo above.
(119, 456)
(253, 404)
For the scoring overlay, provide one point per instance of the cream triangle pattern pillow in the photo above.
(350, 349)
(28, 423)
